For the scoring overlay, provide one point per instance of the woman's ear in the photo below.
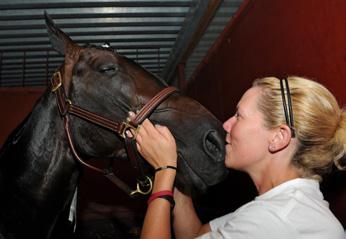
(280, 138)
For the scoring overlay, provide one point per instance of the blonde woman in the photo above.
(286, 134)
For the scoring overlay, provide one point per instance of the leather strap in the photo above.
(66, 108)
(152, 104)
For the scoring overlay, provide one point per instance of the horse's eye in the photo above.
(108, 69)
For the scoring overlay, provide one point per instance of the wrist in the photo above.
(165, 194)
(165, 167)
(164, 180)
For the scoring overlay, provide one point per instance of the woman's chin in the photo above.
(228, 162)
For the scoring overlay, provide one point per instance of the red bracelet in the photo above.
(158, 194)
(166, 194)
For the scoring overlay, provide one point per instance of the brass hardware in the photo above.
(69, 104)
(126, 126)
(56, 74)
(147, 183)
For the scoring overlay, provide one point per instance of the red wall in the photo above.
(15, 104)
(274, 38)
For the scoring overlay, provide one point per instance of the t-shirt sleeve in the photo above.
(220, 221)
(214, 225)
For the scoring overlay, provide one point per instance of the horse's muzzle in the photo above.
(214, 145)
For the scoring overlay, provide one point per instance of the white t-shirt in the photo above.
(293, 210)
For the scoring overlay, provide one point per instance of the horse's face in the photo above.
(200, 141)
(110, 85)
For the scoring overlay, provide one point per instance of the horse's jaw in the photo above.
(193, 182)
(188, 181)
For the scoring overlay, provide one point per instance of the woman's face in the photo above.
(247, 139)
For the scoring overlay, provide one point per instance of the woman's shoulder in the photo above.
(280, 218)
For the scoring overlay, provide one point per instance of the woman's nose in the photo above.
(227, 125)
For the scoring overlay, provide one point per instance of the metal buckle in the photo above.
(147, 183)
(56, 74)
(125, 126)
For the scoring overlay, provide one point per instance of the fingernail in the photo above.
(128, 134)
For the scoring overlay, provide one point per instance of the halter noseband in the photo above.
(144, 183)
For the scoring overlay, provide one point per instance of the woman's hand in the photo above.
(156, 144)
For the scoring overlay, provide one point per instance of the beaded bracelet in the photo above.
(165, 167)
(166, 194)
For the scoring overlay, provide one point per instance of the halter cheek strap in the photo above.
(65, 106)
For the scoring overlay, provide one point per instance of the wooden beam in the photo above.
(203, 24)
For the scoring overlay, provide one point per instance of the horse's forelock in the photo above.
(101, 47)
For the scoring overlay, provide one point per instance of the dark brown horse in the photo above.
(38, 171)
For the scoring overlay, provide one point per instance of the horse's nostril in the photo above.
(214, 145)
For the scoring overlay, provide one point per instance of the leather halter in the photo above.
(144, 183)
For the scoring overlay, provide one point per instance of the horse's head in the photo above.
(98, 79)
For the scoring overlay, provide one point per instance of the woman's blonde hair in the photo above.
(319, 123)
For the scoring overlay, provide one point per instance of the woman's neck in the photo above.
(267, 185)
(273, 175)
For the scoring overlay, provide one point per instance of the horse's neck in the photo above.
(38, 175)
(39, 155)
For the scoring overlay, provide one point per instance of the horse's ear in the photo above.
(60, 41)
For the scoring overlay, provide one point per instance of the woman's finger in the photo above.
(131, 115)
(139, 149)
(148, 126)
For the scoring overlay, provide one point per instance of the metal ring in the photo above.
(127, 126)
(143, 192)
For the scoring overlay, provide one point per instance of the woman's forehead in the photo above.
(249, 99)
